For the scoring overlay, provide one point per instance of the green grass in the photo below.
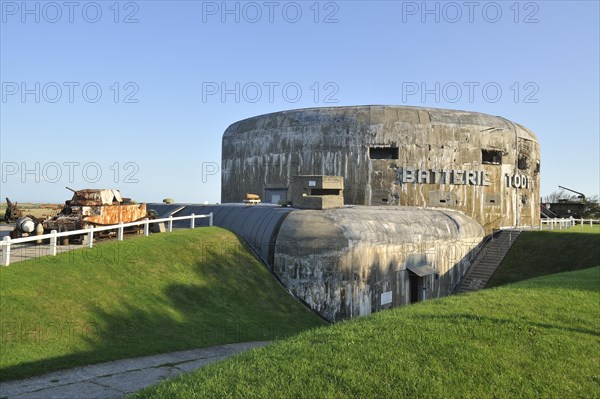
(539, 253)
(145, 295)
(536, 338)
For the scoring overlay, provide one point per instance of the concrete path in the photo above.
(118, 378)
(5, 229)
(21, 252)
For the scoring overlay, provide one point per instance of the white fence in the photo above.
(566, 223)
(89, 232)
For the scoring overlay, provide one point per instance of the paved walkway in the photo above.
(118, 378)
(26, 251)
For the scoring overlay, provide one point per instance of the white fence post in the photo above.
(591, 220)
(6, 243)
(91, 237)
(6, 251)
(53, 240)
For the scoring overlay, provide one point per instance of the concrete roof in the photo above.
(384, 225)
(376, 114)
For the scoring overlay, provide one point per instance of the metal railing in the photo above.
(53, 236)
(566, 223)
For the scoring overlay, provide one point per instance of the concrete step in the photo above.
(485, 277)
(485, 270)
(484, 266)
(488, 260)
(479, 274)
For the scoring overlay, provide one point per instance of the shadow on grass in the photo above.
(540, 253)
(228, 303)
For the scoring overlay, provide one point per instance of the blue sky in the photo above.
(136, 95)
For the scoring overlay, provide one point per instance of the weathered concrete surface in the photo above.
(262, 154)
(119, 378)
(318, 192)
(354, 261)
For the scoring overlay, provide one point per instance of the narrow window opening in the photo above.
(523, 163)
(324, 191)
(443, 201)
(383, 152)
(491, 157)
(384, 200)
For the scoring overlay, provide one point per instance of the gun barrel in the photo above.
(581, 195)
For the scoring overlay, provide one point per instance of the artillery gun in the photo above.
(13, 212)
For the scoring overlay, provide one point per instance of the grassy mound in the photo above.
(539, 253)
(537, 338)
(146, 295)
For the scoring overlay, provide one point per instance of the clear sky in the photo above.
(136, 95)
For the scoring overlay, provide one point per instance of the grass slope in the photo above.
(539, 253)
(536, 338)
(146, 295)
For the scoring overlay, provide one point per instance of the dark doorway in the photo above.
(415, 284)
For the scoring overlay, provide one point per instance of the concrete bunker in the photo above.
(485, 166)
(356, 260)
(417, 191)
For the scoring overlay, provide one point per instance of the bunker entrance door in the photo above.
(417, 282)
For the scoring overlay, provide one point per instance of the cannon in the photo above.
(13, 212)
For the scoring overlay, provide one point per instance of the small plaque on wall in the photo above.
(386, 297)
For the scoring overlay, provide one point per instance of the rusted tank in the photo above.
(94, 207)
